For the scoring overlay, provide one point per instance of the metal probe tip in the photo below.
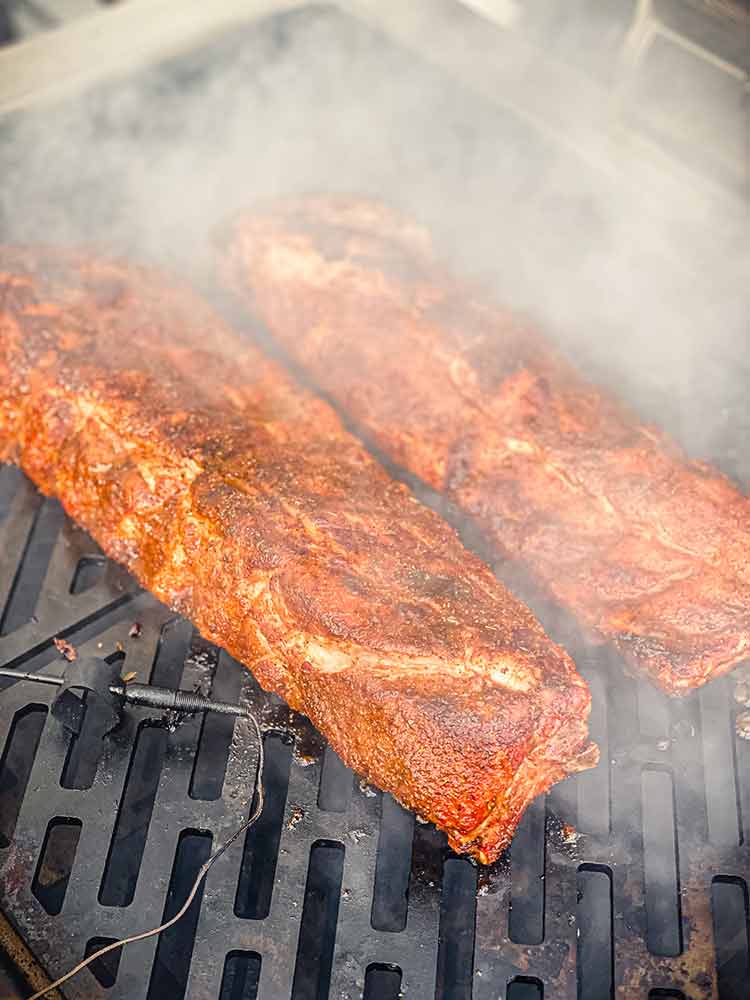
(148, 695)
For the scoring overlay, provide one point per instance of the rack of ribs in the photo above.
(238, 499)
(650, 551)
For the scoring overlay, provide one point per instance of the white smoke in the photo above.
(645, 288)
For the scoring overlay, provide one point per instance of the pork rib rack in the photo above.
(239, 499)
(649, 550)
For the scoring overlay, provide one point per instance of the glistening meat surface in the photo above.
(649, 550)
(239, 500)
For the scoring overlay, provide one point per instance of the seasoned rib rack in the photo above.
(649, 550)
(240, 501)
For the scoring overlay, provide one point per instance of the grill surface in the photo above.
(628, 879)
(99, 840)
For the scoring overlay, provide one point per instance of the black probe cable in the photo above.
(196, 884)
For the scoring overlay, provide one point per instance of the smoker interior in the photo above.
(629, 880)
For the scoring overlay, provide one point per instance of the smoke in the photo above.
(644, 288)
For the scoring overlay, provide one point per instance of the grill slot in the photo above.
(56, 860)
(104, 969)
(85, 749)
(653, 715)
(258, 866)
(16, 763)
(336, 782)
(11, 481)
(27, 583)
(89, 572)
(526, 920)
(742, 760)
(175, 947)
(595, 933)
(216, 733)
(717, 729)
(729, 903)
(686, 757)
(456, 943)
(241, 976)
(594, 785)
(312, 974)
(663, 933)
(525, 988)
(382, 982)
(174, 642)
(391, 890)
(133, 817)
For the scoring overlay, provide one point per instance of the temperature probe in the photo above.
(93, 683)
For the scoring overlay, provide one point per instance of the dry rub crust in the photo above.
(240, 501)
(649, 550)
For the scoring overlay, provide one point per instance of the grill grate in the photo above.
(337, 886)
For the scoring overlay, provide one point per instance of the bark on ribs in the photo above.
(239, 499)
(649, 550)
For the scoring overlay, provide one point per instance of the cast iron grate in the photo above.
(628, 881)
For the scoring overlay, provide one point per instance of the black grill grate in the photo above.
(618, 884)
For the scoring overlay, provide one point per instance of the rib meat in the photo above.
(239, 499)
(650, 551)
